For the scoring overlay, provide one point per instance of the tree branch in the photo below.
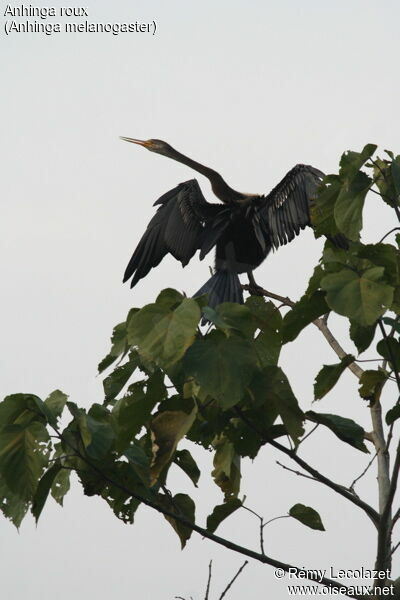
(263, 558)
(322, 326)
(340, 489)
(246, 562)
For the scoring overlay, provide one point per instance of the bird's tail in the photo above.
(223, 286)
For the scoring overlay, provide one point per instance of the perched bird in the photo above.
(243, 229)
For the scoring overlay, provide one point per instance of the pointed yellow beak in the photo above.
(133, 141)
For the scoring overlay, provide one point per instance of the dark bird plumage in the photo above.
(243, 229)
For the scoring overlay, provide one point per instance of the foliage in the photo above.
(219, 386)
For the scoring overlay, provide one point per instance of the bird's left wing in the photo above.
(286, 209)
(176, 228)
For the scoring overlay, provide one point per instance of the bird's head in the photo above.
(153, 145)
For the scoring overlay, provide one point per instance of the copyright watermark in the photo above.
(324, 586)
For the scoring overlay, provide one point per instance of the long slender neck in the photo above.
(220, 188)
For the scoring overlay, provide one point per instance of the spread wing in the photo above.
(176, 228)
(286, 209)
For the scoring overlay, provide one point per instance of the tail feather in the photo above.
(223, 286)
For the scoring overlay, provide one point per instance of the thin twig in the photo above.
(395, 548)
(246, 562)
(340, 489)
(295, 472)
(309, 433)
(364, 472)
(312, 575)
(388, 233)
(208, 581)
(261, 519)
(276, 518)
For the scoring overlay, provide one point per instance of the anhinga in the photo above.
(244, 228)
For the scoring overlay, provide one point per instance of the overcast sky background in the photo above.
(251, 89)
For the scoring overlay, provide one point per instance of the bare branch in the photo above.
(340, 489)
(295, 472)
(388, 233)
(311, 574)
(309, 433)
(246, 562)
(208, 581)
(364, 472)
(261, 519)
(395, 548)
(276, 519)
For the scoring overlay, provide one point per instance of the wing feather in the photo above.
(177, 228)
(285, 211)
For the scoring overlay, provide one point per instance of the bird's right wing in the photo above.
(286, 209)
(176, 228)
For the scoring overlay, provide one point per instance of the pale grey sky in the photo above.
(249, 88)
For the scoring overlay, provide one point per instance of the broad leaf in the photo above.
(222, 366)
(363, 298)
(226, 472)
(306, 310)
(186, 462)
(163, 335)
(114, 383)
(362, 337)
(23, 456)
(370, 382)
(393, 414)
(307, 515)
(55, 402)
(345, 429)
(329, 376)
(119, 346)
(222, 512)
(349, 205)
(43, 489)
(185, 507)
(167, 429)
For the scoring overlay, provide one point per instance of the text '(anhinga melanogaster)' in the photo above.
(244, 228)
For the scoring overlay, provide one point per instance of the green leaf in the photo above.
(186, 462)
(139, 461)
(184, 505)
(43, 489)
(307, 515)
(23, 456)
(11, 505)
(169, 298)
(222, 366)
(395, 168)
(393, 323)
(278, 391)
(370, 381)
(345, 429)
(268, 342)
(61, 485)
(361, 297)
(389, 348)
(329, 376)
(163, 335)
(315, 279)
(351, 161)
(349, 205)
(168, 428)
(222, 512)
(226, 472)
(322, 210)
(114, 383)
(20, 409)
(55, 403)
(362, 337)
(393, 414)
(306, 310)
(102, 438)
(119, 346)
